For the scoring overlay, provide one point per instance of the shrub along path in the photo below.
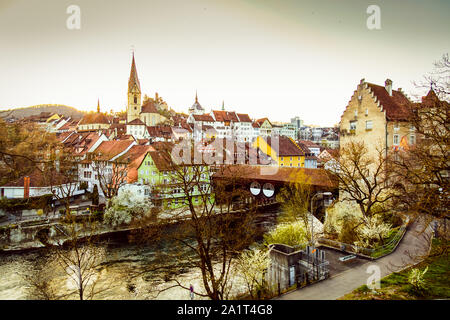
(411, 250)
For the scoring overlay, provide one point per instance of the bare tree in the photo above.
(363, 178)
(61, 174)
(111, 175)
(422, 170)
(80, 255)
(209, 232)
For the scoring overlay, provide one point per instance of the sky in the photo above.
(268, 58)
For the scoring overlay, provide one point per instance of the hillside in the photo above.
(35, 110)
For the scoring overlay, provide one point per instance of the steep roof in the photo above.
(136, 122)
(261, 121)
(133, 81)
(203, 117)
(161, 159)
(134, 157)
(159, 131)
(397, 106)
(243, 117)
(109, 149)
(94, 118)
(285, 147)
(149, 107)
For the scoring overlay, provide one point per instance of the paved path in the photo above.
(413, 246)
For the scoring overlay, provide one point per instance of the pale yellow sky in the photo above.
(263, 57)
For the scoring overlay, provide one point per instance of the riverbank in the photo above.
(129, 271)
(24, 236)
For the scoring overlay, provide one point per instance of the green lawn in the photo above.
(397, 287)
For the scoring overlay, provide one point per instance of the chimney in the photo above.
(26, 187)
(388, 86)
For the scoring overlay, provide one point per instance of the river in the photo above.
(122, 276)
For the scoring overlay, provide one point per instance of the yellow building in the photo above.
(378, 116)
(283, 150)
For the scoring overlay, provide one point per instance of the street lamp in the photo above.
(312, 212)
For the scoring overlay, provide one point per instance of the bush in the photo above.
(416, 279)
(16, 205)
(291, 234)
(125, 207)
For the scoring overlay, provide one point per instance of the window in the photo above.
(396, 126)
(135, 100)
(281, 158)
(367, 112)
(369, 125)
(291, 159)
(356, 113)
(352, 125)
(412, 139)
(396, 139)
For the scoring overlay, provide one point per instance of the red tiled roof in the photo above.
(160, 131)
(285, 147)
(317, 177)
(243, 117)
(94, 118)
(161, 159)
(136, 122)
(109, 149)
(149, 107)
(134, 158)
(397, 106)
(142, 141)
(261, 121)
(203, 117)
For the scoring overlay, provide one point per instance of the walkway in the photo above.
(413, 246)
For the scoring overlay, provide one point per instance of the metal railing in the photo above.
(374, 253)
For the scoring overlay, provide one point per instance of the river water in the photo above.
(123, 275)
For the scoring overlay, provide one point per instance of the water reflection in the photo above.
(123, 274)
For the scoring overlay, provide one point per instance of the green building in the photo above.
(155, 170)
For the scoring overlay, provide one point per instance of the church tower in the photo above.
(134, 94)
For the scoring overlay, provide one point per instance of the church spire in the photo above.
(196, 98)
(134, 80)
(223, 105)
(98, 106)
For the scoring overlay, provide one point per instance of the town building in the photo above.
(379, 116)
(285, 152)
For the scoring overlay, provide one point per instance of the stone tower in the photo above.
(134, 94)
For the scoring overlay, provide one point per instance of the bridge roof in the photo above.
(315, 177)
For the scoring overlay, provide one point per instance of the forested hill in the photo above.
(35, 110)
